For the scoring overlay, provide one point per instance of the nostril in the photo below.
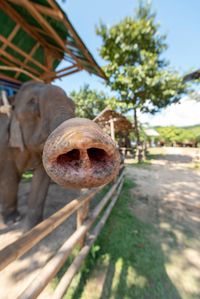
(97, 154)
(73, 155)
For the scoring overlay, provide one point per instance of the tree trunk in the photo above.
(137, 133)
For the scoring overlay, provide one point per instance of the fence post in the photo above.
(82, 214)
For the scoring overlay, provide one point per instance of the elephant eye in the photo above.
(34, 105)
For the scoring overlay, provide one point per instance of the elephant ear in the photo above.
(16, 137)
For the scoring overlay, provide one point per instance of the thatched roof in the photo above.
(35, 36)
(192, 76)
(121, 123)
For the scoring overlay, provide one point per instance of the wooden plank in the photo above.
(18, 62)
(4, 5)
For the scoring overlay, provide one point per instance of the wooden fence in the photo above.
(85, 235)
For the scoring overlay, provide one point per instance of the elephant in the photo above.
(37, 110)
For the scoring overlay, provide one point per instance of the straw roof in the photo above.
(35, 36)
(192, 76)
(121, 123)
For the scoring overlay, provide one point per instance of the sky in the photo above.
(179, 20)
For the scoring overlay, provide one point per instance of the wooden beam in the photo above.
(78, 40)
(28, 5)
(11, 36)
(29, 57)
(66, 68)
(42, 31)
(4, 5)
(68, 73)
(82, 46)
(44, 10)
(18, 62)
(48, 11)
(17, 69)
(22, 53)
(55, 76)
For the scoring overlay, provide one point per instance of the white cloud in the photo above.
(184, 113)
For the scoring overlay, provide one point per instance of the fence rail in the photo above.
(39, 232)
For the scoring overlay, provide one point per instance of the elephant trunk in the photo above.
(78, 154)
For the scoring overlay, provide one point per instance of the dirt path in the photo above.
(167, 194)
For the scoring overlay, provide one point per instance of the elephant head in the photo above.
(77, 153)
(39, 109)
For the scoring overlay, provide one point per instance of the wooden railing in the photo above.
(85, 227)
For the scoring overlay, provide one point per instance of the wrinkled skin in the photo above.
(77, 153)
(38, 109)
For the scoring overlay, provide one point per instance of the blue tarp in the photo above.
(10, 87)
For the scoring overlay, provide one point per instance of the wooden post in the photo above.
(82, 214)
(112, 128)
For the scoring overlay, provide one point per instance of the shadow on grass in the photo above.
(171, 158)
(129, 263)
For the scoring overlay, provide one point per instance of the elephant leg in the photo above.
(37, 196)
(9, 184)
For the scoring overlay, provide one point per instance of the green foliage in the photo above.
(27, 176)
(89, 103)
(136, 67)
(173, 134)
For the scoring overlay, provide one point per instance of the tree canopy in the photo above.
(89, 102)
(136, 66)
(172, 134)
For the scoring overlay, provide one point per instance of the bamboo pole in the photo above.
(76, 264)
(53, 266)
(17, 69)
(11, 12)
(28, 57)
(40, 231)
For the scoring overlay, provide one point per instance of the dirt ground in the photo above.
(167, 195)
(20, 273)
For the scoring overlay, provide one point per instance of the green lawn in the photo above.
(126, 262)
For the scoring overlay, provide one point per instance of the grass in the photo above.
(126, 262)
(142, 164)
(27, 176)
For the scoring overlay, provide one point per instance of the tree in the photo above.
(89, 103)
(171, 135)
(136, 68)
